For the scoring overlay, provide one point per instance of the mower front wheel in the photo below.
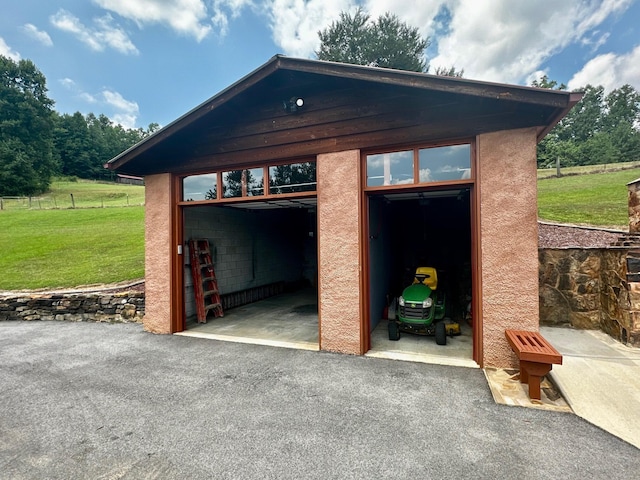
(394, 331)
(441, 333)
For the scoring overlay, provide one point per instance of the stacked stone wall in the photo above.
(589, 289)
(126, 307)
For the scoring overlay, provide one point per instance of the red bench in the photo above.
(536, 356)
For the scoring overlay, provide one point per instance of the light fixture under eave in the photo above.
(294, 104)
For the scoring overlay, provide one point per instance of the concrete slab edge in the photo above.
(251, 341)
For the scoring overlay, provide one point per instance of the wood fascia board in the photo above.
(401, 136)
(194, 114)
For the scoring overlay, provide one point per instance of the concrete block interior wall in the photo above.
(249, 248)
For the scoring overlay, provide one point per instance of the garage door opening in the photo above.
(265, 260)
(408, 230)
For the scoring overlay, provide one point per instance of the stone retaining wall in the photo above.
(126, 307)
(590, 289)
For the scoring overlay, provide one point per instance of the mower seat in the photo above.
(427, 276)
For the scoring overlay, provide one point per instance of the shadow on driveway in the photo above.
(89, 400)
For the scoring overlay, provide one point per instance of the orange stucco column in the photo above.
(157, 257)
(508, 239)
(339, 268)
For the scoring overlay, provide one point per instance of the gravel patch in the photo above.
(573, 236)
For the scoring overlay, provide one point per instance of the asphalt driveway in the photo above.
(87, 400)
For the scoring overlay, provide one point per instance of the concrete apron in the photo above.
(600, 379)
(291, 321)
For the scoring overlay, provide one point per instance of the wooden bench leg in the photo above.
(532, 373)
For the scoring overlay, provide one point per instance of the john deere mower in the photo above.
(421, 309)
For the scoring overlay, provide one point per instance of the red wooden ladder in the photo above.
(205, 284)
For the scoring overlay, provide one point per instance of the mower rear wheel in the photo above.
(441, 333)
(394, 331)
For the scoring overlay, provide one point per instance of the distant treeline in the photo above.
(36, 142)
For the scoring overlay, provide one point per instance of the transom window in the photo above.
(419, 165)
(284, 179)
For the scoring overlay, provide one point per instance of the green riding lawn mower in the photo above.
(422, 309)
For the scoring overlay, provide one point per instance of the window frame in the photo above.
(416, 184)
(268, 195)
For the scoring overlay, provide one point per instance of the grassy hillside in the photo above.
(62, 248)
(593, 199)
(86, 194)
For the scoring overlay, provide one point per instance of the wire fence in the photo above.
(50, 202)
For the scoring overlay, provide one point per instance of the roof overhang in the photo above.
(346, 106)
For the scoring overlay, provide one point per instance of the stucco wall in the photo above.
(157, 237)
(339, 218)
(508, 239)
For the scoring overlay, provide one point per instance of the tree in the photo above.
(545, 82)
(73, 145)
(26, 129)
(600, 129)
(622, 105)
(85, 144)
(386, 42)
(449, 72)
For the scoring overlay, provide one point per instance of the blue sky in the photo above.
(144, 61)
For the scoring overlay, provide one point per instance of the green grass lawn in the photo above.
(63, 248)
(596, 199)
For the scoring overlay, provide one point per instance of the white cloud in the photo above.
(505, 41)
(126, 111)
(223, 9)
(295, 23)
(67, 83)
(39, 35)
(87, 97)
(122, 111)
(104, 34)
(610, 70)
(184, 16)
(6, 51)
(497, 40)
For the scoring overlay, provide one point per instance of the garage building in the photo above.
(325, 185)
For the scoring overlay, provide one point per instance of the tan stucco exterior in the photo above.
(508, 239)
(158, 228)
(339, 268)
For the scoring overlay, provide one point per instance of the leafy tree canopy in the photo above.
(26, 129)
(384, 42)
(601, 128)
(36, 142)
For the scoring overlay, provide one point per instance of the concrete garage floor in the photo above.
(291, 320)
(458, 351)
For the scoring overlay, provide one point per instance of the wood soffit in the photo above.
(345, 107)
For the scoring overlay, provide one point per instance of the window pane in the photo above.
(295, 177)
(200, 187)
(445, 163)
(232, 184)
(394, 168)
(255, 182)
